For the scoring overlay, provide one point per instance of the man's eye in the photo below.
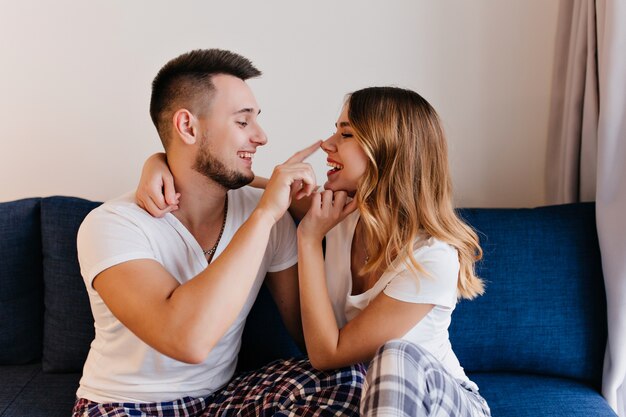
(242, 124)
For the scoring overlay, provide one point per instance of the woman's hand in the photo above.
(155, 192)
(328, 209)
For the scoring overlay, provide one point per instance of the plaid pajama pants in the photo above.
(404, 380)
(282, 388)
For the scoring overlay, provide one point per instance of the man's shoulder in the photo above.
(118, 209)
(116, 232)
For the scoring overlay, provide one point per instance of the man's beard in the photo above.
(212, 168)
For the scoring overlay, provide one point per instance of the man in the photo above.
(170, 295)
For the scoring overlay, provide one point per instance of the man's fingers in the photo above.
(309, 187)
(296, 186)
(304, 153)
(300, 176)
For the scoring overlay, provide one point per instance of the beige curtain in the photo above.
(586, 157)
(571, 152)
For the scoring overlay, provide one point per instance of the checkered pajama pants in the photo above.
(282, 388)
(404, 380)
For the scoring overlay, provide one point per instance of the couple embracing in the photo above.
(171, 275)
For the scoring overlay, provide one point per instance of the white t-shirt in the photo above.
(437, 258)
(122, 368)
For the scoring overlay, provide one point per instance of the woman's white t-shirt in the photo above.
(439, 287)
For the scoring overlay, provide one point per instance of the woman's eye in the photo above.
(346, 135)
(242, 124)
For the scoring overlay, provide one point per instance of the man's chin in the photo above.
(240, 181)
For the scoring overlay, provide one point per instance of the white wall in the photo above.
(75, 83)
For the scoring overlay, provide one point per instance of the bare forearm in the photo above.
(186, 321)
(318, 320)
(222, 288)
(259, 182)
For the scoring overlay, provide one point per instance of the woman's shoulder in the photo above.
(436, 280)
(438, 261)
(427, 247)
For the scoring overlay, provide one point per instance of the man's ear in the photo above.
(185, 124)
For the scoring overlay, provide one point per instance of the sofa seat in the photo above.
(523, 395)
(26, 390)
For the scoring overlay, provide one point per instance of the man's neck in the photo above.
(201, 206)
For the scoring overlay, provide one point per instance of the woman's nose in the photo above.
(328, 145)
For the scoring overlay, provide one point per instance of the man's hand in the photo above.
(291, 179)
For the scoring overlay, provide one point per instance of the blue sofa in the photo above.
(534, 342)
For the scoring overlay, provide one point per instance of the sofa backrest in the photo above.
(68, 322)
(28, 281)
(543, 311)
(544, 308)
(21, 295)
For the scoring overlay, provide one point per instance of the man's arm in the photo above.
(283, 285)
(186, 321)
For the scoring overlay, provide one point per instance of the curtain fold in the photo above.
(572, 129)
(586, 154)
(611, 191)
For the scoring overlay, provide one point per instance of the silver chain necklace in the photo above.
(209, 253)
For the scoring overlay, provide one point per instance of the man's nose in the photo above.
(259, 137)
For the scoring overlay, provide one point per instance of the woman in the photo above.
(397, 259)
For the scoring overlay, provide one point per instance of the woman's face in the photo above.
(345, 156)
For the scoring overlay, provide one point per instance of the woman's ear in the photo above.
(185, 124)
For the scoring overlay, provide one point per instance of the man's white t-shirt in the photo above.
(438, 259)
(122, 368)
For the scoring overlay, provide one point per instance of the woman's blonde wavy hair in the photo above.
(406, 188)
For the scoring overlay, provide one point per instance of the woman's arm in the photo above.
(156, 193)
(385, 318)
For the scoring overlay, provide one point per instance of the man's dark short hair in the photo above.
(185, 82)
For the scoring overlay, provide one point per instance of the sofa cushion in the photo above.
(14, 379)
(68, 322)
(544, 306)
(21, 304)
(40, 394)
(519, 395)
